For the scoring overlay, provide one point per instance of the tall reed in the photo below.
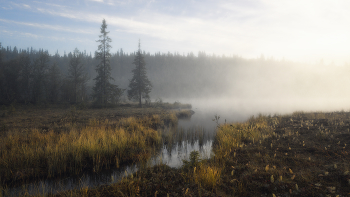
(231, 136)
(100, 144)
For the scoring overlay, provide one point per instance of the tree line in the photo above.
(29, 76)
(36, 77)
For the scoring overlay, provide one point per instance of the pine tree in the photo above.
(139, 85)
(104, 91)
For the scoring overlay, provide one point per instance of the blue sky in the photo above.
(299, 30)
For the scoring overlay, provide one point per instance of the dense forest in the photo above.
(35, 76)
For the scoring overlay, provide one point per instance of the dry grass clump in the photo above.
(207, 176)
(170, 119)
(100, 144)
(184, 114)
(175, 105)
(160, 180)
(62, 119)
(232, 136)
(303, 154)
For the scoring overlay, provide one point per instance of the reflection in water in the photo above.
(177, 146)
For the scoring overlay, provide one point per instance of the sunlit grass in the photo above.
(301, 154)
(98, 145)
(232, 136)
(207, 176)
(300, 149)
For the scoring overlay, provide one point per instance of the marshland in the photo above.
(296, 154)
(174, 98)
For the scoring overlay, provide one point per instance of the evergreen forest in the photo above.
(35, 76)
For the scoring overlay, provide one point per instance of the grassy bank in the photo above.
(302, 154)
(86, 140)
(60, 118)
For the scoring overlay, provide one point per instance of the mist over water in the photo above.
(239, 110)
(236, 89)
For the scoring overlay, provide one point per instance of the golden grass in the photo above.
(100, 144)
(232, 136)
(184, 113)
(291, 154)
(302, 154)
(207, 176)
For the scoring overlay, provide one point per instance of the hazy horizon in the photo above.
(281, 56)
(301, 31)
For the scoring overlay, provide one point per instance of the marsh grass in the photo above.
(99, 144)
(266, 156)
(175, 105)
(60, 118)
(184, 114)
(302, 154)
(301, 149)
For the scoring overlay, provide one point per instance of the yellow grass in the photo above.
(100, 144)
(232, 136)
(207, 176)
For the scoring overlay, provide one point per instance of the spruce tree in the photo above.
(139, 85)
(104, 91)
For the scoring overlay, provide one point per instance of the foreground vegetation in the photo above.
(302, 154)
(41, 143)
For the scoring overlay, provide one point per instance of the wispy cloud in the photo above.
(38, 36)
(26, 6)
(51, 4)
(109, 2)
(51, 27)
(7, 8)
(293, 29)
(195, 31)
(21, 5)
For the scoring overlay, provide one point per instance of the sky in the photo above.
(300, 30)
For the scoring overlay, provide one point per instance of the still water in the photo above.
(197, 133)
(191, 135)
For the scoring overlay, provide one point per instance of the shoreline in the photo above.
(300, 154)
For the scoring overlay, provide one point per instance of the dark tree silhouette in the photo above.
(26, 77)
(54, 83)
(77, 75)
(2, 76)
(40, 76)
(139, 85)
(104, 91)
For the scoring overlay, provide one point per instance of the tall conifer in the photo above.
(139, 85)
(104, 91)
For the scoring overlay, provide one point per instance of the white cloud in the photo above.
(112, 2)
(37, 36)
(7, 8)
(100, 1)
(21, 5)
(52, 27)
(26, 6)
(299, 30)
(51, 4)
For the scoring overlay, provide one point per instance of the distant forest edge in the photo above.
(172, 76)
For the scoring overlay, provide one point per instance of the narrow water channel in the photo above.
(195, 134)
